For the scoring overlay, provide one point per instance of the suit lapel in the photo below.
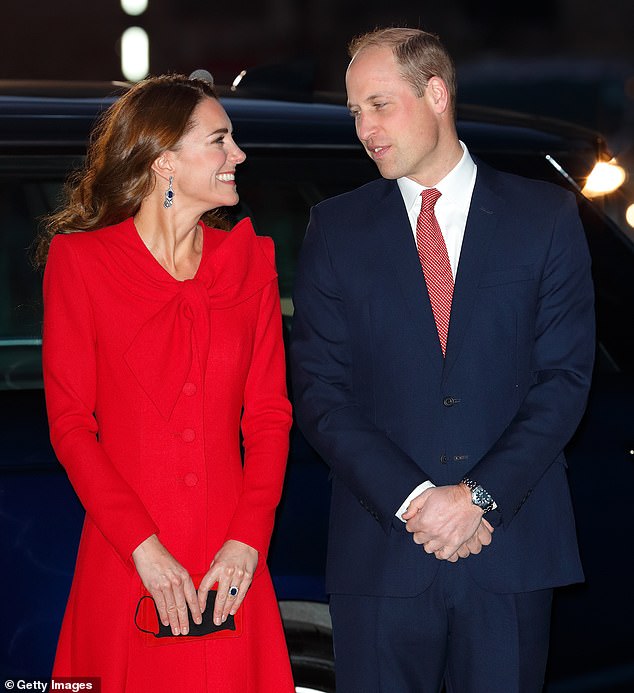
(482, 222)
(390, 223)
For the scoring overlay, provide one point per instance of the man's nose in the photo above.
(366, 127)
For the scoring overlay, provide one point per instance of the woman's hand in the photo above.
(233, 567)
(169, 584)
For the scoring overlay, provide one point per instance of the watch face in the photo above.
(481, 498)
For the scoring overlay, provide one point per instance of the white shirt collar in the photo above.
(452, 208)
(456, 187)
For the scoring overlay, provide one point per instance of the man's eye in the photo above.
(378, 106)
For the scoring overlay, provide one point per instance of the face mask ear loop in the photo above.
(136, 613)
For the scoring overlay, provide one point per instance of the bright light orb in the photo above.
(134, 7)
(606, 177)
(629, 217)
(135, 54)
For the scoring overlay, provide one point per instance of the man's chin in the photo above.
(388, 172)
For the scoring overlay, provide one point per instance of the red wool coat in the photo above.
(148, 381)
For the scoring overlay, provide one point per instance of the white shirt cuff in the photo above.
(416, 492)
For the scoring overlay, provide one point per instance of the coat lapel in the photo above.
(389, 221)
(482, 221)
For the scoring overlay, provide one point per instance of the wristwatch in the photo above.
(479, 496)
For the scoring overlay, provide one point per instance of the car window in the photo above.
(24, 199)
(277, 191)
(612, 268)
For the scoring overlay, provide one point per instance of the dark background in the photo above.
(513, 54)
(77, 39)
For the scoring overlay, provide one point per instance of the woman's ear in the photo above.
(163, 166)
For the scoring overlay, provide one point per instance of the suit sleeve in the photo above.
(266, 422)
(373, 468)
(561, 370)
(70, 381)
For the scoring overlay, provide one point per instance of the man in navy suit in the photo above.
(442, 350)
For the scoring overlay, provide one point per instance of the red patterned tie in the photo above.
(432, 252)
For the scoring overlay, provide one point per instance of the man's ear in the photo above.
(163, 166)
(438, 94)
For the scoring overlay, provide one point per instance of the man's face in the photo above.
(399, 130)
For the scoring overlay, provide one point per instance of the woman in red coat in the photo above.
(162, 342)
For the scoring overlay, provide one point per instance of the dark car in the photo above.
(299, 154)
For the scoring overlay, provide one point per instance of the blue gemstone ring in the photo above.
(233, 591)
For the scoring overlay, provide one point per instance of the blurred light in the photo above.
(606, 177)
(135, 54)
(134, 7)
(629, 215)
(237, 80)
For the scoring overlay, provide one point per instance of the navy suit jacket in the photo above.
(376, 399)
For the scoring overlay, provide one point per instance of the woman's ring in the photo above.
(233, 591)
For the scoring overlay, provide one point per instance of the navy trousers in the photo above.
(454, 634)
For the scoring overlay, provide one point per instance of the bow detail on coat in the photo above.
(162, 351)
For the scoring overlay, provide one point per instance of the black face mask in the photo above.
(195, 629)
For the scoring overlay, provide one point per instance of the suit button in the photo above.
(189, 389)
(188, 435)
(191, 479)
(449, 401)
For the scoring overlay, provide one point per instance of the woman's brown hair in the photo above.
(149, 119)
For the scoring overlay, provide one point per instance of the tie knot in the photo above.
(430, 197)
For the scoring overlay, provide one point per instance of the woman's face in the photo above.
(206, 159)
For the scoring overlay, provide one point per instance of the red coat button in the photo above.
(189, 389)
(191, 479)
(188, 435)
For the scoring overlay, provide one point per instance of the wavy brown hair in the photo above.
(419, 54)
(146, 121)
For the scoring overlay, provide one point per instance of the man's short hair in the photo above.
(419, 54)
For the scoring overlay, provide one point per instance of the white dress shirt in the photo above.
(452, 209)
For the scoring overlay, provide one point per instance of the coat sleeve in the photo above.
(561, 370)
(69, 366)
(266, 422)
(379, 473)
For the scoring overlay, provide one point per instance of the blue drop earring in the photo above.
(169, 195)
